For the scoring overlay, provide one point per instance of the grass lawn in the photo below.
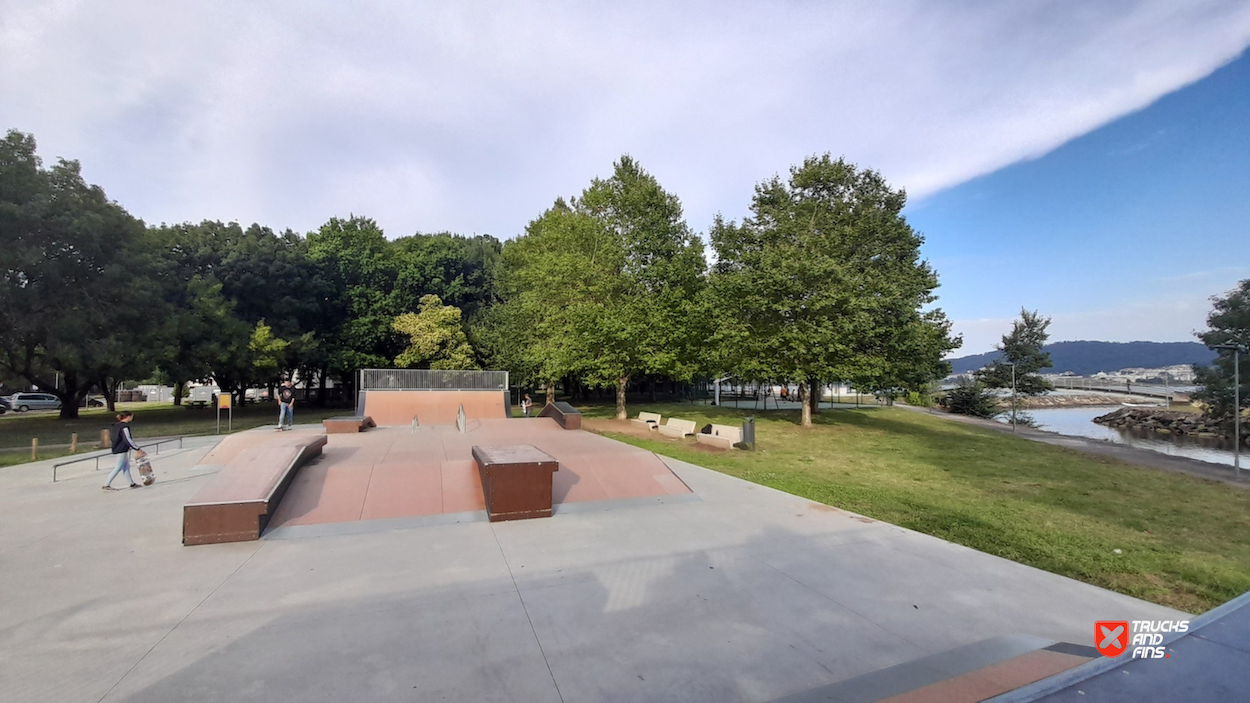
(1183, 542)
(151, 420)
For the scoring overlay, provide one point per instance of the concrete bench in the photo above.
(650, 420)
(569, 417)
(723, 436)
(236, 504)
(347, 424)
(516, 481)
(677, 428)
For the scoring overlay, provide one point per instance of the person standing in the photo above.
(123, 444)
(286, 406)
(526, 404)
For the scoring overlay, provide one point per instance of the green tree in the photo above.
(77, 298)
(824, 281)
(437, 339)
(1228, 323)
(603, 288)
(1021, 359)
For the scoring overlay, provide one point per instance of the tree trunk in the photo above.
(110, 394)
(621, 383)
(321, 389)
(180, 387)
(70, 397)
(807, 407)
(551, 392)
(813, 394)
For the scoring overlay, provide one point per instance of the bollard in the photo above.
(73, 443)
(34, 448)
(104, 439)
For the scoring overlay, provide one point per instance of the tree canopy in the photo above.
(1228, 323)
(824, 280)
(610, 288)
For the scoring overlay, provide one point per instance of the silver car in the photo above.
(22, 402)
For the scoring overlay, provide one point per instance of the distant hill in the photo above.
(1084, 358)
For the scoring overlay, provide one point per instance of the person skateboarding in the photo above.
(123, 444)
(286, 406)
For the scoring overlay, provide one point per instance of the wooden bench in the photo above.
(677, 428)
(723, 436)
(347, 424)
(569, 417)
(516, 481)
(651, 420)
(238, 501)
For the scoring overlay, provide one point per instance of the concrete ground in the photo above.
(736, 593)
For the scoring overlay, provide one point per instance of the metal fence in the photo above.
(430, 380)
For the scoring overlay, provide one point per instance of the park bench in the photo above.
(723, 436)
(236, 504)
(516, 481)
(347, 424)
(650, 420)
(569, 417)
(677, 428)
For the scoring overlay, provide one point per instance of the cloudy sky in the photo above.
(473, 117)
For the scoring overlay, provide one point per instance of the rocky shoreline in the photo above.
(1165, 422)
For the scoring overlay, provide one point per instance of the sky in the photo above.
(1077, 158)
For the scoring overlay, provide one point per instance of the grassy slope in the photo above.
(1184, 542)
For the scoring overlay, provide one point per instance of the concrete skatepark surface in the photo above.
(735, 593)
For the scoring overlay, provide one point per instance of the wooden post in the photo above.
(34, 448)
(104, 439)
(73, 443)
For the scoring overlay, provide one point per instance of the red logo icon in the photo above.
(1111, 637)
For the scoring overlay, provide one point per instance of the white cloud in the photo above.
(473, 117)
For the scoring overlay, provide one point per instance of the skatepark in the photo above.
(379, 571)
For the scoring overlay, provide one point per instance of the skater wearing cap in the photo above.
(123, 444)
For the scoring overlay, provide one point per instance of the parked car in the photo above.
(4, 405)
(22, 402)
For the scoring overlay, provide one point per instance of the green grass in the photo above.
(1184, 542)
(22, 456)
(151, 420)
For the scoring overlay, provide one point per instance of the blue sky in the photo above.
(1112, 201)
(1120, 234)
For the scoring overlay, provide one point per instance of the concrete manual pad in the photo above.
(741, 593)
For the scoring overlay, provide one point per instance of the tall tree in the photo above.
(603, 288)
(76, 294)
(1228, 323)
(437, 339)
(823, 281)
(1021, 354)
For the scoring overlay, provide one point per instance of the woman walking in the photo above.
(123, 443)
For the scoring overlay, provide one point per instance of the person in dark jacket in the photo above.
(123, 444)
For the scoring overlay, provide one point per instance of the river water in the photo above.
(1079, 422)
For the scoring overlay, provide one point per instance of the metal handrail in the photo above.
(103, 453)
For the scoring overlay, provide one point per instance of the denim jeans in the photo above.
(123, 467)
(286, 413)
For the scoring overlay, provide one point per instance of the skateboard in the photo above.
(146, 475)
